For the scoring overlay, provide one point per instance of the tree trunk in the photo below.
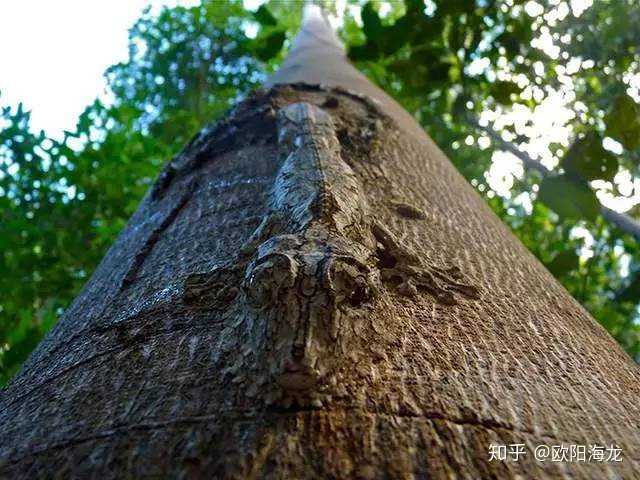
(311, 290)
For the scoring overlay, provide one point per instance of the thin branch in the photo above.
(621, 220)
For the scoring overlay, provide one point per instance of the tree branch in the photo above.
(621, 220)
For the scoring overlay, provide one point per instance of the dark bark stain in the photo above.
(255, 117)
(152, 239)
(409, 211)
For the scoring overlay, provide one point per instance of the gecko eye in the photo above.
(268, 278)
(348, 283)
(360, 293)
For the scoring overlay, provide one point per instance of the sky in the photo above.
(53, 53)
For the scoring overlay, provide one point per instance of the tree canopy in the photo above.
(481, 76)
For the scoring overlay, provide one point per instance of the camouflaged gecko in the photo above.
(312, 267)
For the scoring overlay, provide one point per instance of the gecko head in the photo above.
(302, 293)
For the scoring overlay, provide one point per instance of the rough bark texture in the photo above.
(311, 290)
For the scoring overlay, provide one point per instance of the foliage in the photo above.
(446, 61)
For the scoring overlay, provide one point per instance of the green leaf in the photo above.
(269, 46)
(510, 42)
(631, 292)
(563, 263)
(414, 6)
(502, 91)
(396, 35)
(264, 17)
(588, 159)
(569, 198)
(371, 24)
(623, 122)
(440, 72)
(366, 52)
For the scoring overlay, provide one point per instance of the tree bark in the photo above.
(311, 290)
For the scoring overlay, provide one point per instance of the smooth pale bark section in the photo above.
(389, 327)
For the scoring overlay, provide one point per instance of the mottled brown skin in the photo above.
(187, 355)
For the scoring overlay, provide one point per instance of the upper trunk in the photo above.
(312, 290)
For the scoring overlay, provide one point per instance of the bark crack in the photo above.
(132, 273)
(132, 343)
(125, 428)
